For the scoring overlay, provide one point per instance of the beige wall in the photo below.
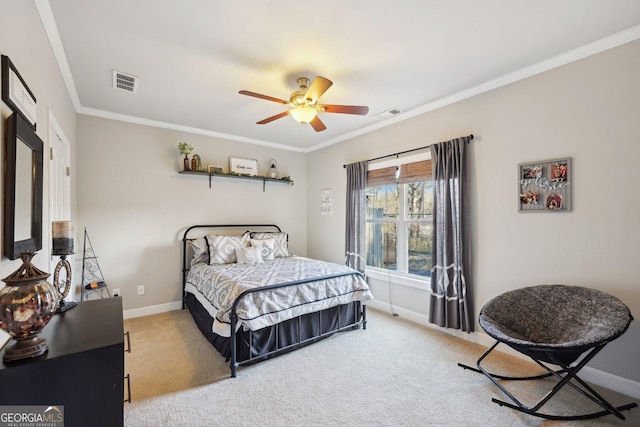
(24, 41)
(587, 110)
(136, 205)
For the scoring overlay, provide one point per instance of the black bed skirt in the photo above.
(258, 345)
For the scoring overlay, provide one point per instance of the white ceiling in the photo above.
(193, 56)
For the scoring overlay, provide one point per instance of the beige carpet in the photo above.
(394, 373)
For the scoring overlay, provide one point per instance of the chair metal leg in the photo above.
(565, 377)
(481, 370)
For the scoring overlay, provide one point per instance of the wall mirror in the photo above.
(22, 188)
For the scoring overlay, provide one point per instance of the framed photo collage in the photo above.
(545, 186)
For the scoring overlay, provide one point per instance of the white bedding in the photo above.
(218, 286)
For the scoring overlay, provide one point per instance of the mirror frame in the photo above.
(18, 131)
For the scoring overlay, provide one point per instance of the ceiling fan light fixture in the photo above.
(303, 114)
(304, 106)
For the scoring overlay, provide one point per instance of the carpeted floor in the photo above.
(394, 373)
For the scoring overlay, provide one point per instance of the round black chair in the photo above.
(559, 325)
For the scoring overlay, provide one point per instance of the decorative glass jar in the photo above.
(27, 303)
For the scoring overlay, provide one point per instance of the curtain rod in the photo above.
(403, 152)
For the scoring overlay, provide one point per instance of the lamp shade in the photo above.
(62, 234)
(303, 114)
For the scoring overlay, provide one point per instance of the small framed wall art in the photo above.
(326, 202)
(243, 166)
(545, 186)
(16, 93)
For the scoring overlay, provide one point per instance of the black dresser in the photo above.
(82, 371)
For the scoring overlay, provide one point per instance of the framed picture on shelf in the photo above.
(16, 93)
(243, 166)
(545, 186)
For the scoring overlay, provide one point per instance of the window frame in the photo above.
(401, 274)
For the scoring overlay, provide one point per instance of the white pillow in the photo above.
(200, 251)
(266, 246)
(222, 249)
(282, 240)
(249, 255)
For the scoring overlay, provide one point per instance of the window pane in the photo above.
(419, 247)
(419, 200)
(382, 245)
(386, 227)
(382, 202)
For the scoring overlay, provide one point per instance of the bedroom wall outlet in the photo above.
(140, 289)
(116, 292)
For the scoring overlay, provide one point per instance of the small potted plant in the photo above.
(185, 149)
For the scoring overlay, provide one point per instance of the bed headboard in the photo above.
(196, 231)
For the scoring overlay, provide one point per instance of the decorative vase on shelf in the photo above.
(187, 163)
(198, 163)
(194, 164)
(26, 306)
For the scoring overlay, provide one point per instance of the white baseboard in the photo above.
(611, 381)
(153, 309)
(594, 376)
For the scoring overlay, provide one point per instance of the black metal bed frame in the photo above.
(360, 319)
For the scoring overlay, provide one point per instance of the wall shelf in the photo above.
(264, 179)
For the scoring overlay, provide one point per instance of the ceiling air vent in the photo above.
(387, 114)
(125, 81)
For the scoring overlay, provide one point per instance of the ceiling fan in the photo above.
(304, 103)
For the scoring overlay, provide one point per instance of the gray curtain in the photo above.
(356, 215)
(450, 300)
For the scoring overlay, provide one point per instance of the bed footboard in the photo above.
(359, 319)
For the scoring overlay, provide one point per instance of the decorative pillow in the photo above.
(282, 245)
(200, 251)
(222, 249)
(266, 247)
(249, 255)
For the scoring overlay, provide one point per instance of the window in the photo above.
(399, 219)
(382, 226)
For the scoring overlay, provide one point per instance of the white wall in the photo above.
(587, 110)
(23, 40)
(135, 205)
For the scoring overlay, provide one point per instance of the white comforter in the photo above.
(220, 285)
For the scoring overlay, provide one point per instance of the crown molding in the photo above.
(606, 43)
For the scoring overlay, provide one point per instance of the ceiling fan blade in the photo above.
(258, 95)
(317, 88)
(345, 109)
(317, 124)
(272, 118)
